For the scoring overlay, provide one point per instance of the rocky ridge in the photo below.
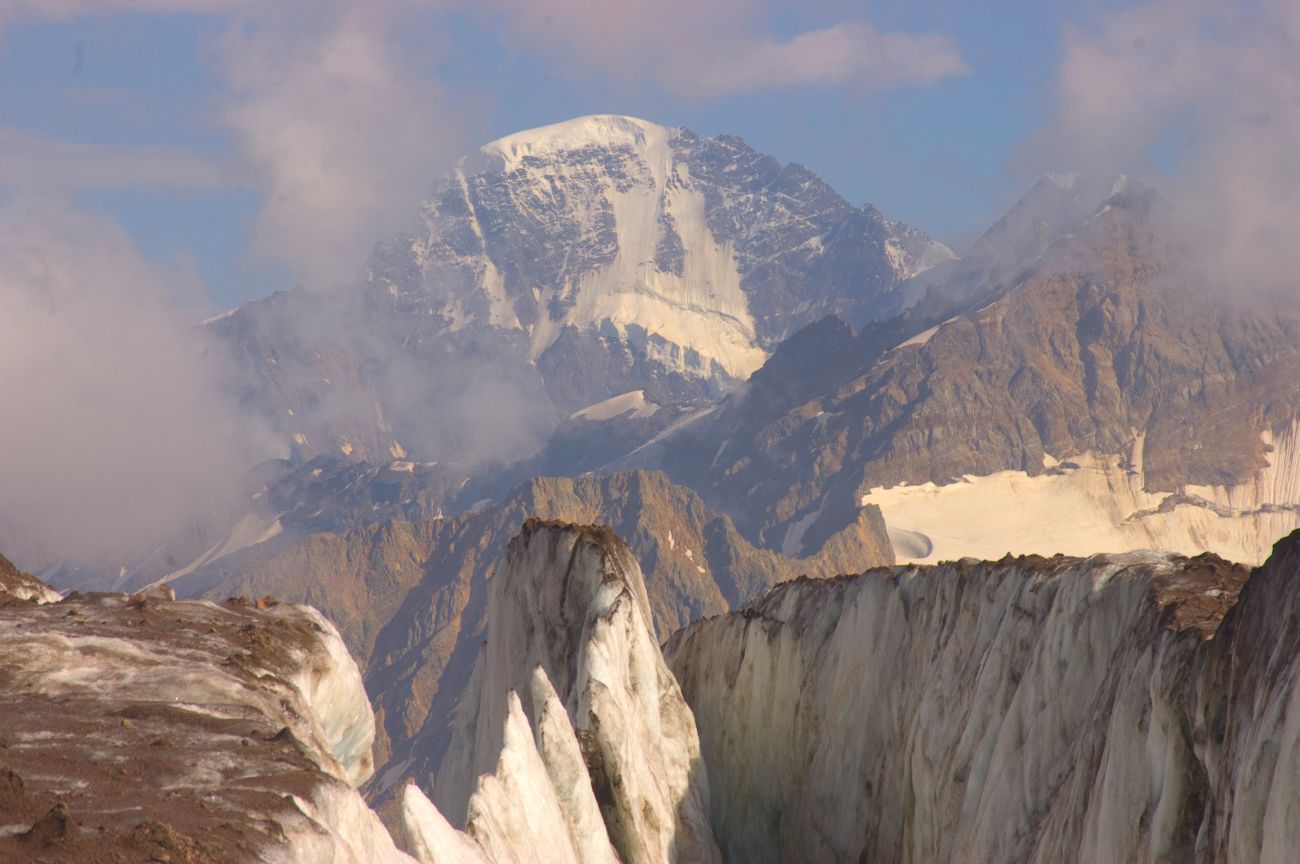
(410, 598)
(555, 269)
(1104, 351)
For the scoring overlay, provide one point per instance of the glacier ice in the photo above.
(1094, 504)
(1028, 710)
(217, 724)
(570, 638)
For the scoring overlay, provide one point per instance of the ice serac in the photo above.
(141, 728)
(569, 636)
(1029, 710)
(426, 834)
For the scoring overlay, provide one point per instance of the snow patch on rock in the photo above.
(633, 404)
(1090, 504)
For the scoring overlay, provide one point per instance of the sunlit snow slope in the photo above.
(557, 268)
(1094, 504)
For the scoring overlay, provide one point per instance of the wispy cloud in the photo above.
(331, 114)
(338, 123)
(343, 134)
(118, 428)
(854, 54)
(1207, 94)
(717, 49)
(32, 162)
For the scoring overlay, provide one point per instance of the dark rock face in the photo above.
(1102, 338)
(558, 268)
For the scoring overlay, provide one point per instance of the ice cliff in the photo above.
(141, 728)
(1138, 707)
(573, 741)
(1028, 710)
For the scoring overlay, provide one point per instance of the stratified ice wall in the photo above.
(573, 729)
(1029, 710)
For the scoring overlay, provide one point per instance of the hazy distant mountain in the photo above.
(1072, 385)
(558, 268)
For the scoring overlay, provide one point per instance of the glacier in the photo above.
(1028, 710)
(1094, 503)
(1133, 707)
(571, 704)
(161, 729)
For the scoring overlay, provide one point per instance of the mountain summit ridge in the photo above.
(563, 266)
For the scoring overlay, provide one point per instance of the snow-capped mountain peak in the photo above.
(652, 233)
(595, 130)
(576, 262)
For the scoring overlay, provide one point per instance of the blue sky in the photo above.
(165, 91)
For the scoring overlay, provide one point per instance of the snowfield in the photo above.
(1093, 504)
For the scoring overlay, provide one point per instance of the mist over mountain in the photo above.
(555, 269)
(1076, 358)
(636, 331)
(626, 492)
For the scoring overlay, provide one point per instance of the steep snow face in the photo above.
(694, 255)
(241, 730)
(568, 265)
(1094, 504)
(663, 274)
(597, 130)
(1030, 710)
(571, 704)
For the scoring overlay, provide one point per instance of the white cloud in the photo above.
(344, 135)
(716, 49)
(339, 125)
(118, 431)
(850, 53)
(333, 121)
(1207, 94)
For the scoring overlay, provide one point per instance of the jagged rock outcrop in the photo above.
(571, 714)
(1029, 710)
(17, 585)
(138, 728)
